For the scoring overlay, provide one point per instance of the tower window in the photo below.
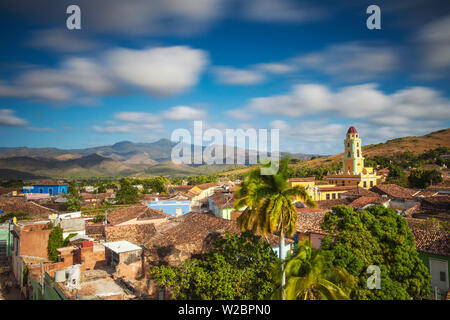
(348, 154)
(358, 153)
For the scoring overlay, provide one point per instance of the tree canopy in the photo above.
(127, 193)
(375, 236)
(237, 268)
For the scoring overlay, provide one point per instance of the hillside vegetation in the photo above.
(414, 145)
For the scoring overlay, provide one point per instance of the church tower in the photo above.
(353, 162)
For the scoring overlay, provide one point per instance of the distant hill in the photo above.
(8, 174)
(413, 144)
(85, 166)
(120, 159)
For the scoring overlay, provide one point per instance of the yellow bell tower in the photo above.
(353, 162)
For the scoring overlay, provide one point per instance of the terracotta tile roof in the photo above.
(360, 192)
(441, 202)
(205, 186)
(99, 196)
(309, 222)
(14, 205)
(223, 199)
(190, 194)
(328, 204)
(437, 207)
(135, 233)
(153, 214)
(306, 179)
(191, 229)
(383, 171)
(139, 212)
(235, 214)
(394, 191)
(364, 201)
(424, 193)
(429, 237)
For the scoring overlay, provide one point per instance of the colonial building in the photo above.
(353, 170)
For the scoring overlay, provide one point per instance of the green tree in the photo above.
(73, 204)
(238, 267)
(422, 178)
(55, 241)
(157, 184)
(308, 277)
(375, 236)
(72, 190)
(268, 205)
(127, 193)
(99, 218)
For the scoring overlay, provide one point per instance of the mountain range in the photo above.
(123, 158)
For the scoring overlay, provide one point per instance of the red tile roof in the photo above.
(364, 201)
(328, 204)
(223, 199)
(394, 191)
(140, 212)
(429, 236)
(205, 186)
(309, 222)
(306, 179)
(360, 192)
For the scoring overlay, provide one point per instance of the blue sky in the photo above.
(139, 69)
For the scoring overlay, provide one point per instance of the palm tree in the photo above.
(269, 207)
(309, 279)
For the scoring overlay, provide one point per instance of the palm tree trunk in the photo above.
(282, 258)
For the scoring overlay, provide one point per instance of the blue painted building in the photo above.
(173, 207)
(50, 189)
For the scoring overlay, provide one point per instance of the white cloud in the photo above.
(137, 122)
(280, 124)
(160, 71)
(351, 61)
(8, 119)
(434, 42)
(129, 128)
(61, 40)
(239, 114)
(179, 113)
(276, 67)
(137, 117)
(234, 76)
(281, 11)
(136, 17)
(358, 102)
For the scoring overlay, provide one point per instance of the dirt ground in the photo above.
(11, 294)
